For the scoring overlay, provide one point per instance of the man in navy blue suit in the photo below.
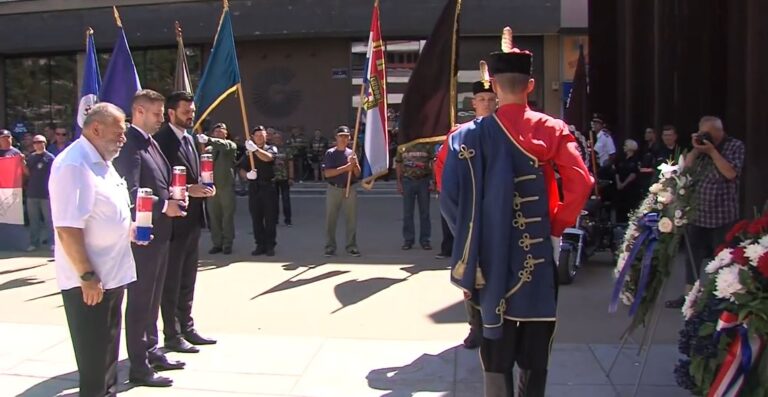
(176, 306)
(142, 164)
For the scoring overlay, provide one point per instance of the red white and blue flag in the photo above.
(743, 352)
(374, 101)
(11, 208)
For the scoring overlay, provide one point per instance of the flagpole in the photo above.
(245, 121)
(594, 162)
(118, 21)
(452, 101)
(357, 130)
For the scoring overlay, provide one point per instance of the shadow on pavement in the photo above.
(4, 272)
(57, 293)
(290, 283)
(355, 291)
(455, 313)
(20, 283)
(428, 373)
(57, 385)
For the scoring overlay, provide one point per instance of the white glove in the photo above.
(202, 138)
(250, 146)
(251, 175)
(556, 249)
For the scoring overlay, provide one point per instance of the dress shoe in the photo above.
(215, 250)
(164, 364)
(270, 252)
(258, 251)
(426, 246)
(442, 255)
(354, 252)
(226, 250)
(196, 339)
(153, 380)
(180, 345)
(406, 246)
(329, 252)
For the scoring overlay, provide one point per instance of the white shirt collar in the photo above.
(90, 150)
(178, 131)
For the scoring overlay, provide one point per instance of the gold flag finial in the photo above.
(506, 40)
(117, 17)
(88, 33)
(485, 77)
(226, 4)
(178, 30)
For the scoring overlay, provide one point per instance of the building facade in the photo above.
(300, 61)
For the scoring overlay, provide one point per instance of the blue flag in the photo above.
(121, 80)
(91, 84)
(221, 75)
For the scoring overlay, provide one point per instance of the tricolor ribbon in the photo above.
(743, 352)
(649, 230)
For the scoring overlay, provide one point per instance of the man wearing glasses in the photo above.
(60, 141)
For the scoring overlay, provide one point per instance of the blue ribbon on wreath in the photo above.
(648, 225)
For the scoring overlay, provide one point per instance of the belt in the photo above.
(341, 187)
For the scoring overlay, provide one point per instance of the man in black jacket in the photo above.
(179, 290)
(142, 164)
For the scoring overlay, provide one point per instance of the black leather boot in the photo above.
(531, 383)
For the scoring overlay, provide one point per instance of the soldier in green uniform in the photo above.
(283, 176)
(221, 207)
(414, 182)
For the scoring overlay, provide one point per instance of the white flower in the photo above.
(722, 259)
(665, 225)
(668, 170)
(754, 252)
(627, 298)
(656, 188)
(679, 222)
(659, 206)
(679, 214)
(690, 301)
(727, 283)
(764, 241)
(681, 192)
(665, 197)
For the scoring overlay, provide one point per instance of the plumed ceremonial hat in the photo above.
(510, 59)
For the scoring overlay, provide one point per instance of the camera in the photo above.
(702, 137)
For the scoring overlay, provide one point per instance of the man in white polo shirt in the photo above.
(92, 218)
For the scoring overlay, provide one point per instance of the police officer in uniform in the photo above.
(508, 159)
(262, 194)
(221, 207)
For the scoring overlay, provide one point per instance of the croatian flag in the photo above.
(91, 83)
(121, 81)
(11, 209)
(374, 100)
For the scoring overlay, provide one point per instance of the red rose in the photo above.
(736, 230)
(755, 228)
(737, 256)
(762, 265)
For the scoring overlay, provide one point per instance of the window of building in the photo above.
(43, 90)
(40, 90)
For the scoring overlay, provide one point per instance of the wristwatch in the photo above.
(88, 276)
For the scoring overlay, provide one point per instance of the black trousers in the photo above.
(525, 343)
(704, 241)
(143, 307)
(179, 288)
(95, 332)
(284, 191)
(262, 203)
(446, 246)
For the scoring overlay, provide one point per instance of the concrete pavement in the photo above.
(298, 324)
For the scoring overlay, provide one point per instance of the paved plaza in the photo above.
(386, 324)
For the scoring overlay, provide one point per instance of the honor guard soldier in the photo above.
(262, 194)
(221, 207)
(499, 184)
(484, 103)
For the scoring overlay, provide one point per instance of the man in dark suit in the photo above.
(142, 164)
(179, 148)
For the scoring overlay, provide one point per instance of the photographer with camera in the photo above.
(717, 160)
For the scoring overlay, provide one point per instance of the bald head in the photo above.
(104, 127)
